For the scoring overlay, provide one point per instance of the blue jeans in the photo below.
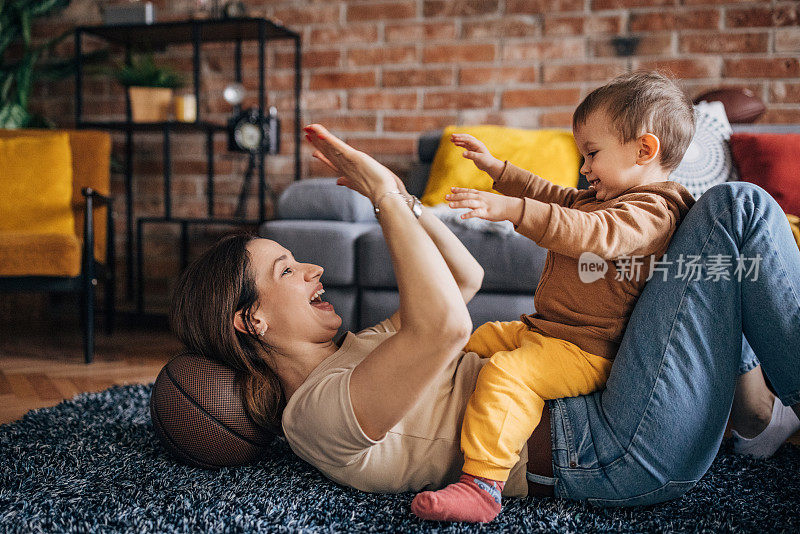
(656, 428)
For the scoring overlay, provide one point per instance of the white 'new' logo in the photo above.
(591, 267)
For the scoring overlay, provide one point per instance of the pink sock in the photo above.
(473, 499)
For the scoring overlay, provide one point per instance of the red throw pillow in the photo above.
(771, 161)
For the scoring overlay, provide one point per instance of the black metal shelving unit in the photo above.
(159, 36)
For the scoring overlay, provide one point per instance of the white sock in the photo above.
(784, 423)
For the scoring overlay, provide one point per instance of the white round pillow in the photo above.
(707, 161)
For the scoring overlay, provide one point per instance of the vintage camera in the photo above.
(249, 132)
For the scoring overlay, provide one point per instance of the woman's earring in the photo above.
(263, 331)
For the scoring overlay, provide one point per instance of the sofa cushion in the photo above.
(91, 167)
(330, 244)
(551, 154)
(511, 262)
(487, 306)
(417, 177)
(427, 144)
(771, 161)
(707, 161)
(322, 199)
(378, 304)
(36, 184)
(344, 304)
(26, 254)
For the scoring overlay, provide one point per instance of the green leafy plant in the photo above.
(142, 71)
(20, 64)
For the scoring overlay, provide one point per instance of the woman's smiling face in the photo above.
(289, 296)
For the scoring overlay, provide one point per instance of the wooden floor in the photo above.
(41, 363)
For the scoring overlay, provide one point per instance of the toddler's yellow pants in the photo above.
(525, 369)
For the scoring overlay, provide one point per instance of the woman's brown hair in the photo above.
(210, 291)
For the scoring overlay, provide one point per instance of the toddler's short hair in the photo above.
(644, 102)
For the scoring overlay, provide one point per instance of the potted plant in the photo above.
(23, 61)
(150, 88)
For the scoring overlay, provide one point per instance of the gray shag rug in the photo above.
(94, 464)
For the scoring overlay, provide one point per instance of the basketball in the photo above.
(199, 417)
(741, 104)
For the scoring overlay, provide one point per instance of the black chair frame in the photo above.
(86, 282)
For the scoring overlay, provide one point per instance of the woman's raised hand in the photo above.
(357, 170)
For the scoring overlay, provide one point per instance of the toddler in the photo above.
(632, 133)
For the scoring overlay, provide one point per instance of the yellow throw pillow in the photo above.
(36, 184)
(551, 154)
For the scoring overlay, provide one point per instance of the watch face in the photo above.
(247, 135)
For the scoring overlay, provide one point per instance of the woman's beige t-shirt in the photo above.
(421, 452)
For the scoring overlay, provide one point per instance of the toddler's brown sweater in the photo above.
(568, 222)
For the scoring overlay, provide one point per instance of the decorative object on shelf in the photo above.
(186, 108)
(625, 46)
(207, 9)
(233, 94)
(249, 132)
(133, 12)
(150, 104)
(234, 10)
(150, 88)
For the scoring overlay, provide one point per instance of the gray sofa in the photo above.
(331, 226)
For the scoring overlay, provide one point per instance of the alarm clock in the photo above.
(249, 132)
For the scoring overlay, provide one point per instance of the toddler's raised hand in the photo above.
(479, 154)
(489, 206)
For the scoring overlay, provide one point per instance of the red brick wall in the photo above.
(378, 72)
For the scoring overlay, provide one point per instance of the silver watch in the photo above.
(413, 203)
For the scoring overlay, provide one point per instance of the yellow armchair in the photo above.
(51, 239)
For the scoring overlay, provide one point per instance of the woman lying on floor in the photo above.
(381, 410)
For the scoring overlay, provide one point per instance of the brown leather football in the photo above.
(199, 417)
(741, 104)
